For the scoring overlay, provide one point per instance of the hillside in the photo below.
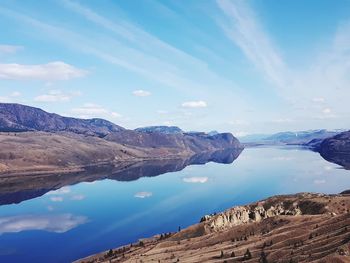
(33, 140)
(292, 228)
(21, 118)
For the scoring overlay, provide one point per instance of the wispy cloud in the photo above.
(194, 104)
(131, 48)
(244, 29)
(9, 49)
(90, 110)
(14, 96)
(51, 71)
(141, 93)
(56, 96)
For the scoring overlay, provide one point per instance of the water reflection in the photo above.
(51, 223)
(17, 189)
(342, 159)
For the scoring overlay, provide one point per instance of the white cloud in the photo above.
(50, 223)
(51, 71)
(194, 104)
(92, 110)
(141, 93)
(56, 96)
(143, 194)
(9, 49)
(200, 180)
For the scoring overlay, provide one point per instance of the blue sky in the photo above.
(256, 66)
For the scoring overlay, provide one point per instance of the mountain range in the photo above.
(34, 140)
(310, 138)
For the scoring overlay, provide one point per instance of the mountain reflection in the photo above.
(342, 159)
(16, 189)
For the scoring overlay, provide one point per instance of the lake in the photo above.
(88, 217)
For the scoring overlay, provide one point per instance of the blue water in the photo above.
(86, 218)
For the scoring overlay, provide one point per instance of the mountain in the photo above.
(21, 118)
(160, 129)
(294, 138)
(33, 140)
(305, 227)
(337, 149)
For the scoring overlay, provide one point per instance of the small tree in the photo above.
(109, 253)
(247, 255)
(222, 254)
(263, 258)
(233, 254)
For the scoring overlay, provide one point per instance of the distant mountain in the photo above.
(314, 137)
(160, 129)
(33, 140)
(337, 149)
(20, 118)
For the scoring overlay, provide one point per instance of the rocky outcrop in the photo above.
(248, 214)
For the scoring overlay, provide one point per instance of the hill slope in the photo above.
(292, 228)
(20, 118)
(34, 140)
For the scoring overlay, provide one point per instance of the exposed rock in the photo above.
(248, 214)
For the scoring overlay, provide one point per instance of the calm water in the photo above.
(85, 218)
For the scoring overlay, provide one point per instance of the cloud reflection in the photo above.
(51, 223)
(201, 180)
(143, 194)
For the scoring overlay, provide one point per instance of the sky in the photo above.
(240, 66)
